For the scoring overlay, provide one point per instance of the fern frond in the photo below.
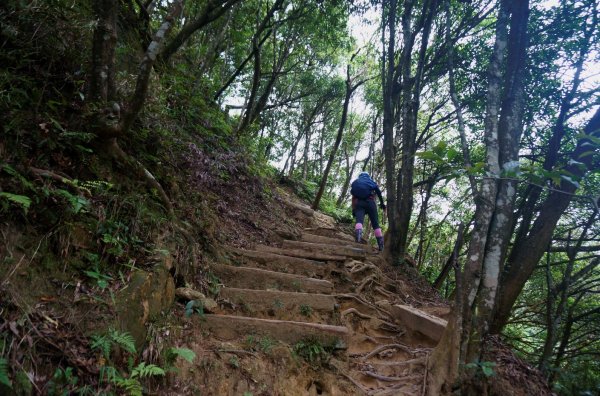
(108, 374)
(124, 340)
(142, 370)
(184, 353)
(131, 386)
(4, 373)
(102, 343)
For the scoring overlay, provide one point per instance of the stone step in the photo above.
(256, 278)
(263, 299)
(280, 263)
(301, 253)
(281, 305)
(333, 240)
(419, 321)
(228, 327)
(330, 232)
(348, 251)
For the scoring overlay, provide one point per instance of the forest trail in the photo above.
(322, 292)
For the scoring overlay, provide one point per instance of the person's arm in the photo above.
(381, 202)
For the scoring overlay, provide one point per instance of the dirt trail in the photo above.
(323, 292)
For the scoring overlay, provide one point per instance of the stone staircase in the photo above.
(326, 288)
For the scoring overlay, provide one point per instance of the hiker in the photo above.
(363, 201)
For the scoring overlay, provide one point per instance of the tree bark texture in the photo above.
(527, 252)
(389, 153)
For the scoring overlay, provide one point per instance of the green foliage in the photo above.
(340, 214)
(96, 274)
(4, 373)
(105, 342)
(63, 382)
(132, 386)
(194, 306)
(264, 344)
(234, 362)
(143, 370)
(306, 310)
(313, 351)
(184, 353)
(20, 200)
(485, 369)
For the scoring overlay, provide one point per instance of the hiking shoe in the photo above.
(358, 235)
(380, 243)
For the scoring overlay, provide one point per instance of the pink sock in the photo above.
(378, 232)
(358, 226)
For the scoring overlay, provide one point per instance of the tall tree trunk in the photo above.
(527, 253)
(461, 340)
(102, 84)
(389, 153)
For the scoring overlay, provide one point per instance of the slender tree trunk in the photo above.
(388, 68)
(305, 155)
(349, 91)
(452, 260)
(102, 84)
(348, 179)
(526, 254)
(553, 319)
(459, 343)
(213, 11)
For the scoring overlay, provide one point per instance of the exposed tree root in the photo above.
(424, 388)
(386, 293)
(356, 383)
(363, 267)
(390, 379)
(387, 326)
(371, 339)
(355, 312)
(391, 390)
(364, 303)
(402, 363)
(60, 178)
(121, 156)
(385, 348)
(365, 282)
(236, 352)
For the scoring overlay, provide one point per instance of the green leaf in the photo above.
(4, 373)
(124, 340)
(20, 200)
(431, 156)
(102, 343)
(451, 154)
(440, 148)
(142, 370)
(184, 353)
(487, 370)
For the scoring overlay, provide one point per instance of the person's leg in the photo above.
(359, 212)
(374, 217)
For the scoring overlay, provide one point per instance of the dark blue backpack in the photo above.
(361, 189)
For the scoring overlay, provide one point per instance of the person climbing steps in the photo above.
(363, 193)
